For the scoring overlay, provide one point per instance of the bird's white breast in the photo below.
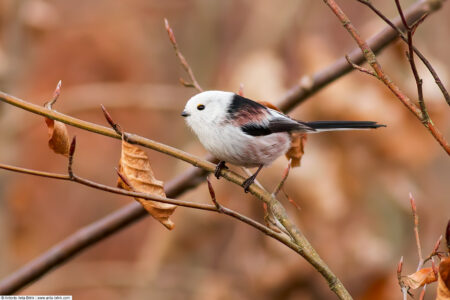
(228, 143)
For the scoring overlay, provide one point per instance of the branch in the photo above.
(317, 81)
(410, 54)
(183, 61)
(416, 51)
(370, 57)
(78, 241)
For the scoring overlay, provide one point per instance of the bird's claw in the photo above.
(247, 183)
(220, 166)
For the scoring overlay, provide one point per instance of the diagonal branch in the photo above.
(370, 57)
(425, 61)
(311, 84)
(410, 54)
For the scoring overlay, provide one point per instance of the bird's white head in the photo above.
(207, 108)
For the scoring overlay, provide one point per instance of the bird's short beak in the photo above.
(185, 114)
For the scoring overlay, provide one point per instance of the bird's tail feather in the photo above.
(320, 126)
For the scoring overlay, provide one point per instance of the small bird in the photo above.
(246, 133)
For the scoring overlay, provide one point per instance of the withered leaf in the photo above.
(298, 141)
(443, 289)
(419, 278)
(297, 149)
(58, 137)
(135, 166)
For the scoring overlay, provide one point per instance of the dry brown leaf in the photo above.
(297, 149)
(298, 141)
(443, 289)
(419, 278)
(58, 140)
(135, 166)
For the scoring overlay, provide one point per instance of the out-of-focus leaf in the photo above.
(59, 140)
(419, 278)
(297, 148)
(135, 166)
(443, 289)
(298, 141)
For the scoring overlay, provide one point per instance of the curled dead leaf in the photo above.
(135, 166)
(298, 141)
(297, 149)
(419, 278)
(443, 289)
(58, 140)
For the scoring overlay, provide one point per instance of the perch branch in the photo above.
(305, 249)
(68, 247)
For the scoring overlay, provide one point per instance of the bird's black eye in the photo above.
(200, 107)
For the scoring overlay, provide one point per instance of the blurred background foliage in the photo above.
(352, 187)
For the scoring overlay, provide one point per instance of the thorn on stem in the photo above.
(185, 83)
(359, 68)
(55, 96)
(241, 89)
(213, 196)
(170, 32)
(111, 122)
(399, 268)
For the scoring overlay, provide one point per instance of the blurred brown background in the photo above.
(352, 187)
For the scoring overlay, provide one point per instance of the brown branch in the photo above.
(359, 68)
(370, 57)
(416, 51)
(416, 231)
(315, 82)
(283, 179)
(410, 54)
(183, 61)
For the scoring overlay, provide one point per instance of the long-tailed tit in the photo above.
(243, 132)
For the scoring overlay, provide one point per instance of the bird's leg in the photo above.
(220, 166)
(250, 180)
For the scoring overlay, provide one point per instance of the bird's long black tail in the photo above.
(319, 126)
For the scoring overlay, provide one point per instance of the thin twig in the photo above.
(435, 251)
(55, 96)
(110, 121)
(212, 193)
(410, 55)
(404, 288)
(283, 179)
(359, 68)
(416, 231)
(184, 63)
(425, 61)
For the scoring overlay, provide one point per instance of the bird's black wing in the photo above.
(257, 120)
(283, 124)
